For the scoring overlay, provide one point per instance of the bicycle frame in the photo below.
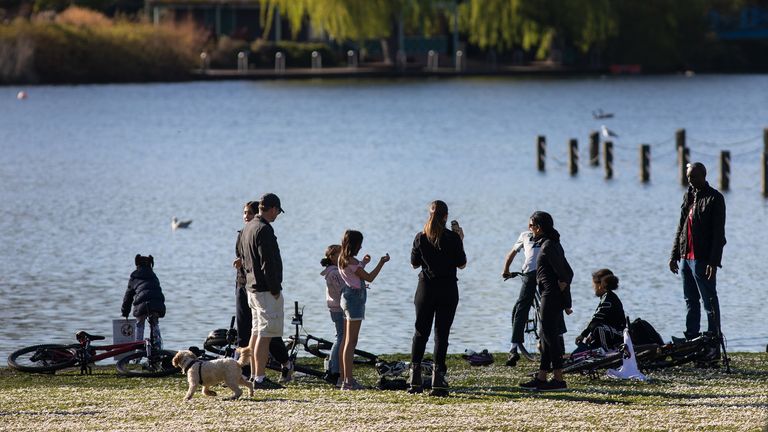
(86, 353)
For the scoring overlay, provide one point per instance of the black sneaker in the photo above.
(266, 384)
(439, 392)
(553, 385)
(331, 378)
(533, 384)
(512, 359)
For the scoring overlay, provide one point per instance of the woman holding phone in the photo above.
(438, 252)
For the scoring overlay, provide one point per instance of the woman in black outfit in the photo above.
(438, 252)
(553, 276)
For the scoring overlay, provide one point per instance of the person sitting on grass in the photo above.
(606, 329)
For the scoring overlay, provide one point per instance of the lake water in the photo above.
(91, 176)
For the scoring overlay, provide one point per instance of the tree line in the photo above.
(658, 34)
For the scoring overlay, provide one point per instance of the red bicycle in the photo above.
(147, 359)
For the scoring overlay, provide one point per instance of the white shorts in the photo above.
(267, 314)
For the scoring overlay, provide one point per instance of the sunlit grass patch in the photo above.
(483, 398)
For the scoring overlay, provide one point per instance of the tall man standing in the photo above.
(699, 243)
(264, 276)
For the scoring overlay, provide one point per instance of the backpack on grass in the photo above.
(643, 333)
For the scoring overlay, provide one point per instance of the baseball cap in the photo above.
(270, 200)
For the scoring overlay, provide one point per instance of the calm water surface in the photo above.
(91, 176)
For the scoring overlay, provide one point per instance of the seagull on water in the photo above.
(175, 223)
(607, 133)
(600, 114)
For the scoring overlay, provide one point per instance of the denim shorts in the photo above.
(353, 303)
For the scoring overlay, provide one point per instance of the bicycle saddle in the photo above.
(83, 335)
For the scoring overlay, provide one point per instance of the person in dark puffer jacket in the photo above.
(146, 296)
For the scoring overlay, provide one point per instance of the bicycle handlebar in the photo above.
(511, 275)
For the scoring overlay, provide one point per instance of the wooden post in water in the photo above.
(679, 142)
(645, 163)
(541, 153)
(573, 156)
(594, 149)
(684, 156)
(765, 162)
(608, 155)
(725, 170)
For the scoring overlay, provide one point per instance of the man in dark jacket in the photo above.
(263, 268)
(699, 243)
(146, 297)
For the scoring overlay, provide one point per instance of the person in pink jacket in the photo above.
(333, 286)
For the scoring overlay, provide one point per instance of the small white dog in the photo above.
(210, 373)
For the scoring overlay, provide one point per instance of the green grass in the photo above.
(482, 398)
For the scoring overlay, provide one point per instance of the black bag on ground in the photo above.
(643, 333)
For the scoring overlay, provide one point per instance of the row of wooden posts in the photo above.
(683, 159)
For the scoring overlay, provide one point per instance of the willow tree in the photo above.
(352, 20)
(536, 24)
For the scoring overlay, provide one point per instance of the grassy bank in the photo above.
(80, 46)
(483, 398)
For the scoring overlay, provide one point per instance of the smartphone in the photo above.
(454, 225)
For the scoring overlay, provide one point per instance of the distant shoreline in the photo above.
(388, 72)
(333, 73)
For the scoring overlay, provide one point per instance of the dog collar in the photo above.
(188, 363)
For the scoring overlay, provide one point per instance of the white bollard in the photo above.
(432, 60)
(459, 61)
(279, 62)
(317, 60)
(242, 61)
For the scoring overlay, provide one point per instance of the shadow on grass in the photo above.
(512, 393)
(48, 413)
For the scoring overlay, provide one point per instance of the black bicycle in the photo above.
(316, 346)
(530, 346)
(221, 342)
(702, 350)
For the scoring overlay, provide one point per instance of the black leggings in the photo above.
(434, 300)
(243, 319)
(552, 349)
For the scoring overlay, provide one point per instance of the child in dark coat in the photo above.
(146, 296)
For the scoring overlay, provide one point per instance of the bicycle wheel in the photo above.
(43, 358)
(308, 371)
(139, 365)
(591, 364)
(318, 347)
(530, 348)
(365, 358)
(321, 348)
